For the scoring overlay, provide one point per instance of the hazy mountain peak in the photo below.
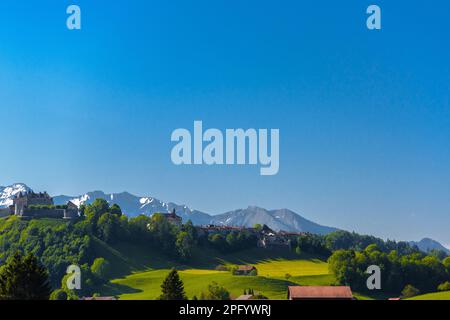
(427, 244)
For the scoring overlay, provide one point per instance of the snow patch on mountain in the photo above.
(7, 194)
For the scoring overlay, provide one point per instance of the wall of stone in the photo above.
(4, 212)
(44, 213)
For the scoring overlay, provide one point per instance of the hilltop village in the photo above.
(31, 205)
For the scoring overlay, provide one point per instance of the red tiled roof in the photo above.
(320, 292)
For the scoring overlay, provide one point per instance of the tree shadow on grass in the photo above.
(116, 289)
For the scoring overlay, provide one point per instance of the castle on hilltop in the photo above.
(40, 205)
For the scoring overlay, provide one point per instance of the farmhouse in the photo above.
(245, 270)
(319, 293)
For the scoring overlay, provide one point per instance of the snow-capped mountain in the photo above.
(133, 205)
(8, 193)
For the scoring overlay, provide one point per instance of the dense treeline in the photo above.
(231, 242)
(403, 267)
(417, 270)
(353, 241)
(57, 245)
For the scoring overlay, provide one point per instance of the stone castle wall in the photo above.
(50, 213)
(5, 212)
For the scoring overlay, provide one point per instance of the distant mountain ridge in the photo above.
(132, 205)
(282, 219)
(427, 244)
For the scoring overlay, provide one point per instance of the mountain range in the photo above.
(132, 205)
(282, 219)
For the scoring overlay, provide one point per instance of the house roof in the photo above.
(246, 268)
(320, 292)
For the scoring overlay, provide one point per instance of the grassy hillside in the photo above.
(146, 285)
(148, 273)
(433, 296)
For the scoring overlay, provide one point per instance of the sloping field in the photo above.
(433, 296)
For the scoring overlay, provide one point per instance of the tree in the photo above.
(216, 292)
(218, 242)
(446, 264)
(257, 227)
(108, 227)
(444, 286)
(23, 278)
(58, 294)
(101, 268)
(115, 210)
(163, 232)
(342, 265)
(410, 291)
(184, 244)
(172, 287)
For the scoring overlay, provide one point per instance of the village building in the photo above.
(173, 218)
(320, 293)
(271, 239)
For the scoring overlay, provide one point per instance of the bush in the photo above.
(444, 286)
(253, 273)
(409, 291)
(101, 268)
(58, 294)
(215, 292)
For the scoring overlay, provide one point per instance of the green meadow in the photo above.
(141, 279)
(433, 296)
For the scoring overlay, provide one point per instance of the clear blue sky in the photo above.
(364, 116)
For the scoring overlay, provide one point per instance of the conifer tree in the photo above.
(172, 287)
(23, 278)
